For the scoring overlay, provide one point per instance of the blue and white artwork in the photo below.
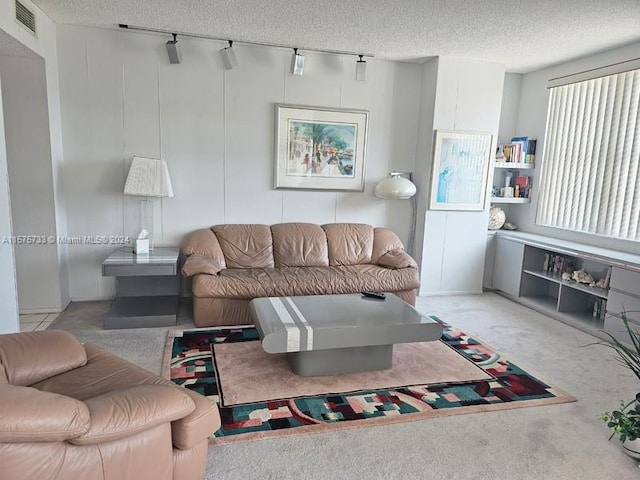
(461, 163)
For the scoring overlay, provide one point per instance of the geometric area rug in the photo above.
(259, 397)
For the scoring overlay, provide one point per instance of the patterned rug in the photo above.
(190, 361)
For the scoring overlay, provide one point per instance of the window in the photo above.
(591, 164)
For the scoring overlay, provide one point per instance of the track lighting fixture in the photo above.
(175, 56)
(361, 69)
(297, 63)
(228, 56)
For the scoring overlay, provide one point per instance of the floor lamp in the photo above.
(148, 177)
(398, 186)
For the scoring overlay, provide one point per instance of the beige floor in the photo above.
(37, 321)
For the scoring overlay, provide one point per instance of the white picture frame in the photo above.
(460, 170)
(320, 148)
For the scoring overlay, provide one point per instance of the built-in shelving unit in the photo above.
(523, 272)
(516, 170)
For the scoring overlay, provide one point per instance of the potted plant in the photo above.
(625, 422)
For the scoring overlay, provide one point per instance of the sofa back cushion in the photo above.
(245, 245)
(299, 245)
(349, 243)
(26, 359)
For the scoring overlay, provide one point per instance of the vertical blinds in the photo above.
(591, 164)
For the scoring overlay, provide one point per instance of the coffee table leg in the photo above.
(341, 360)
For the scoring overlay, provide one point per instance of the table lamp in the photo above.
(148, 177)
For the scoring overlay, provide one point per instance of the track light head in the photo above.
(297, 63)
(175, 56)
(361, 69)
(228, 56)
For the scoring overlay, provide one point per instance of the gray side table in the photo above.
(147, 288)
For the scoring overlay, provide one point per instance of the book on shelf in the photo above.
(598, 307)
(558, 264)
(527, 149)
(607, 279)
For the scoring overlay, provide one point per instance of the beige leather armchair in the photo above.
(74, 411)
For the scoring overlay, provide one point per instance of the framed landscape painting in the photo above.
(460, 170)
(320, 148)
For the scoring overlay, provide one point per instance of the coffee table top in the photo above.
(320, 322)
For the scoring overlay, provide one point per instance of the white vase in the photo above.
(632, 448)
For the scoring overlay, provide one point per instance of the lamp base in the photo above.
(146, 219)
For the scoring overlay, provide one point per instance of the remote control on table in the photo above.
(372, 294)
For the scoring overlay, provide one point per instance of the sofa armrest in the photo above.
(196, 264)
(29, 415)
(31, 357)
(122, 413)
(397, 259)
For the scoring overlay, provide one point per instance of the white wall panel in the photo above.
(216, 131)
(9, 322)
(251, 90)
(192, 126)
(468, 97)
(30, 178)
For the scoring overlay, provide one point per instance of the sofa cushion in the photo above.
(299, 245)
(27, 359)
(103, 373)
(245, 245)
(274, 282)
(349, 243)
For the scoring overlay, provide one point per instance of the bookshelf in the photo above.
(519, 273)
(511, 174)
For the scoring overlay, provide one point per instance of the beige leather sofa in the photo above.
(74, 411)
(234, 263)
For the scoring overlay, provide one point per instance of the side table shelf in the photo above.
(147, 288)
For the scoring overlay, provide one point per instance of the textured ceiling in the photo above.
(523, 34)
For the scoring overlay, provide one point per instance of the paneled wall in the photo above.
(215, 128)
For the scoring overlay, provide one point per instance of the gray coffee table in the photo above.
(332, 334)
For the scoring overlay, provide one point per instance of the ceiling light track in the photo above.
(243, 42)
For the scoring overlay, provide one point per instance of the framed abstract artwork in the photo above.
(460, 170)
(320, 148)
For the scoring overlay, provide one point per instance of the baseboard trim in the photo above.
(438, 294)
(36, 311)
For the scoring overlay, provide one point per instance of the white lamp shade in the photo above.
(148, 177)
(395, 187)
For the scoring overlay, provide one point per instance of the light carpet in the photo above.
(260, 398)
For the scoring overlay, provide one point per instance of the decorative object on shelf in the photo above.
(320, 148)
(148, 177)
(626, 422)
(509, 226)
(398, 186)
(581, 276)
(497, 218)
(460, 170)
(566, 276)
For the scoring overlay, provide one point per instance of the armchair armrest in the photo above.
(122, 413)
(196, 264)
(29, 415)
(396, 259)
(198, 425)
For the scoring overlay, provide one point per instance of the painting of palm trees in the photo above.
(319, 148)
